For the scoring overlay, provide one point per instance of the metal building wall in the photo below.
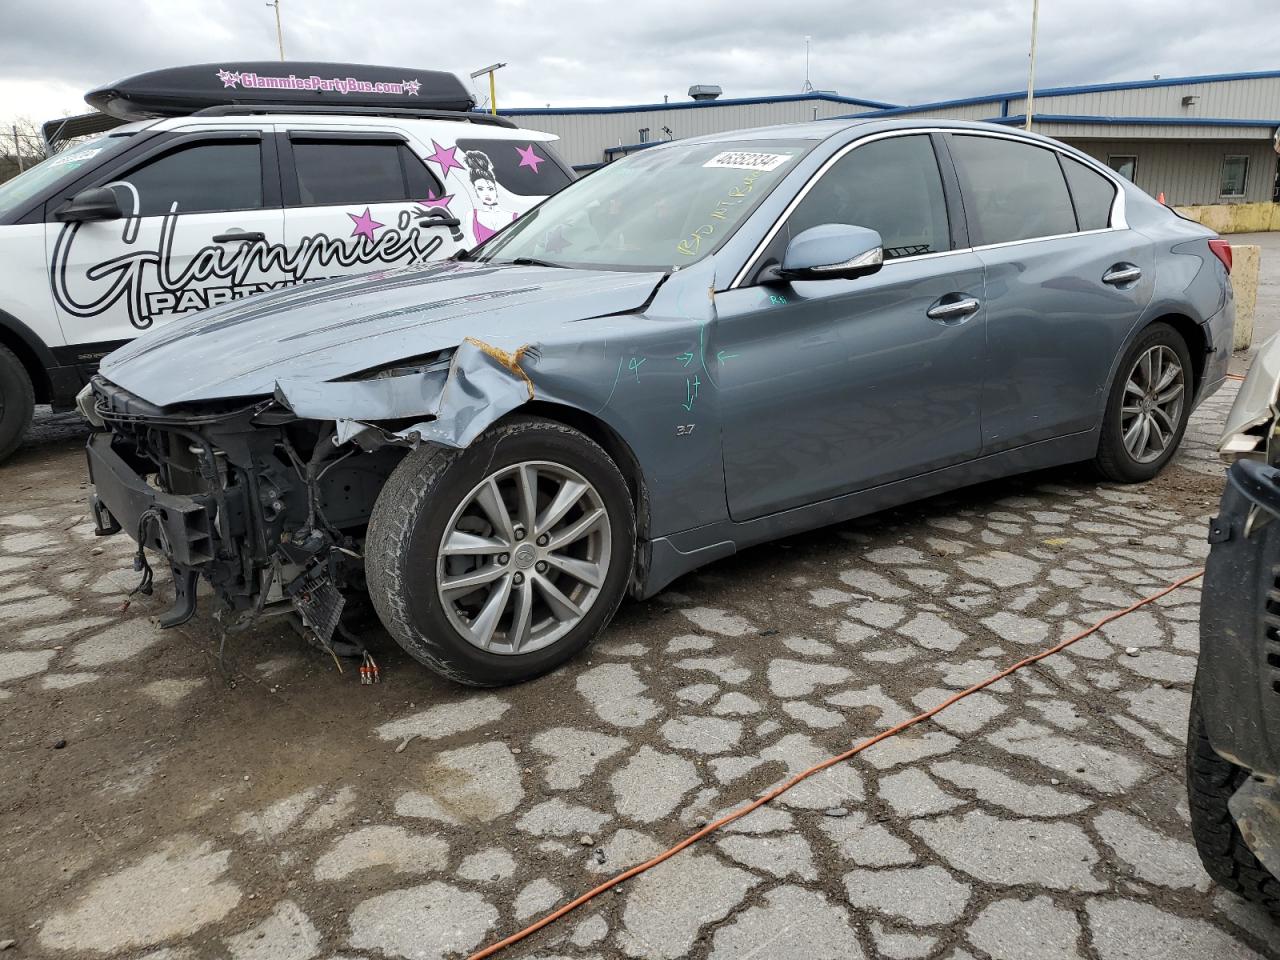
(1190, 173)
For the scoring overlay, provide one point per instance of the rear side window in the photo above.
(1013, 191)
(1092, 194)
(338, 172)
(201, 178)
(891, 186)
(525, 169)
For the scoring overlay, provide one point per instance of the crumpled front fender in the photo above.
(450, 406)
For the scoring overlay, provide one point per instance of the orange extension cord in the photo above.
(840, 758)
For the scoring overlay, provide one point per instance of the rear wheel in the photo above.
(1211, 781)
(1148, 408)
(17, 402)
(497, 563)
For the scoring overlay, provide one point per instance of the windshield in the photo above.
(662, 209)
(32, 182)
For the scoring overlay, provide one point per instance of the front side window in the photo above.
(337, 172)
(663, 209)
(200, 178)
(1092, 194)
(1125, 164)
(73, 161)
(892, 186)
(1235, 170)
(1012, 191)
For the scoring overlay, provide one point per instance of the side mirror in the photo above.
(96, 203)
(833, 251)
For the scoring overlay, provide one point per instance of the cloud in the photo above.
(583, 53)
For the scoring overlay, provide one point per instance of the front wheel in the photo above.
(1148, 408)
(497, 563)
(17, 402)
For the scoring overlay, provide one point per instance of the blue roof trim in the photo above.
(1067, 91)
(1140, 121)
(692, 105)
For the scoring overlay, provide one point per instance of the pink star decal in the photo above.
(530, 159)
(446, 158)
(412, 87)
(228, 78)
(365, 225)
(434, 201)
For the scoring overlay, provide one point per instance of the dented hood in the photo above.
(335, 328)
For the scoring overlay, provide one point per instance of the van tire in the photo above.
(17, 402)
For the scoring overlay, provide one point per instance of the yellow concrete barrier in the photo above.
(1245, 261)
(1235, 217)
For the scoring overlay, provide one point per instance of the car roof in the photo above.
(824, 129)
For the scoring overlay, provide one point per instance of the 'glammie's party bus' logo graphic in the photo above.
(256, 81)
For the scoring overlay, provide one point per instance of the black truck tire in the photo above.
(17, 402)
(1211, 781)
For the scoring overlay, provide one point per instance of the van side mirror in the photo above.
(96, 203)
(832, 251)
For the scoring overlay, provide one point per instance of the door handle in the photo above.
(1122, 273)
(954, 308)
(441, 222)
(235, 235)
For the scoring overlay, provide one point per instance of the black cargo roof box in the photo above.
(318, 87)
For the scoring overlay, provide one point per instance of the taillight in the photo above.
(1222, 250)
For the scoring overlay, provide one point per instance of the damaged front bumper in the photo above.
(1239, 666)
(256, 501)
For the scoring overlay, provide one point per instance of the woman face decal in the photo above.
(486, 192)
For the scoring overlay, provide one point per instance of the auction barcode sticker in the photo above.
(741, 160)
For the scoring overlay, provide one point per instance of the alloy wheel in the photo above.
(1152, 407)
(523, 557)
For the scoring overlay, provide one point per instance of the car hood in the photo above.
(335, 328)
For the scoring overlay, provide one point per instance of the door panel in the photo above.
(176, 250)
(1053, 331)
(833, 386)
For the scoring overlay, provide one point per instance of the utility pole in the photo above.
(279, 29)
(17, 148)
(1031, 73)
(493, 93)
(808, 87)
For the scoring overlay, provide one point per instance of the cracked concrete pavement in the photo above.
(258, 803)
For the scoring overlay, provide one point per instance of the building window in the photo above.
(1235, 170)
(644, 134)
(1125, 164)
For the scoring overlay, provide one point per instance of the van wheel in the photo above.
(1148, 408)
(494, 564)
(17, 402)
(1211, 781)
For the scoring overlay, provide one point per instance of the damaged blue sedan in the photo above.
(709, 344)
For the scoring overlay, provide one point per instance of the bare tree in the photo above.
(21, 146)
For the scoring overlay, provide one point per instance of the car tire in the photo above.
(17, 402)
(437, 491)
(1211, 781)
(1115, 459)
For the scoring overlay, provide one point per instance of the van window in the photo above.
(1092, 194)
(338, 172)
(200, 178)
(525, 169)
(1012, 190)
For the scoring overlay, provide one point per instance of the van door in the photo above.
(202, 217)
(362, 201)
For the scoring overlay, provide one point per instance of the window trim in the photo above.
(1125, 156)
(1117, 218)
(1244, 180)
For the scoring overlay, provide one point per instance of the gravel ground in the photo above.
(246, 800)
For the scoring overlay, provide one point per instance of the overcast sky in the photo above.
(570, 52)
